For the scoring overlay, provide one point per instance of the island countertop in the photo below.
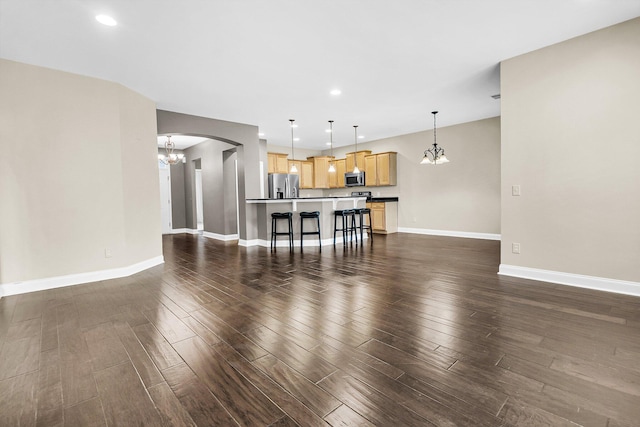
(306, 199)
(263, 208)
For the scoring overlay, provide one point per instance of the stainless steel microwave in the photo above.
(352, 179)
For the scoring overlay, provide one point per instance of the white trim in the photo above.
(283, 242)
(465, 234)
(184, 230)
(578, 280)
(223, 237)
(15, 288)
(248, 243)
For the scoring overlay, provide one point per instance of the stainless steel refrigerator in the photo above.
(283, 185)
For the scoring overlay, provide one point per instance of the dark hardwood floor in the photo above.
(414, 330)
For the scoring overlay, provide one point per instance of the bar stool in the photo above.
(346, 215)
(310, 215)
(274, 227)
(361, 212)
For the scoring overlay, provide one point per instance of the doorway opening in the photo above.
(199, 196)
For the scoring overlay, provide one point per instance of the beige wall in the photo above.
(571, 140)
(80, 175)
(463, 195)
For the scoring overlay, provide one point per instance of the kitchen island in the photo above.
(263, 208)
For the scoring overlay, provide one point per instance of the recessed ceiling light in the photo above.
(294, 125)
(296, 139)
(328, 143)
(360, 136)
(327, 130)
(260, 133)
(106, 20)
(335, 92)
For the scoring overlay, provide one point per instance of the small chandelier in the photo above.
(434, 155)
(355, 168)
(332, 167)
(171, 158)
(294, 169)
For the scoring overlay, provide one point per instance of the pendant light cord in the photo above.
(355, 129)
(293, 157)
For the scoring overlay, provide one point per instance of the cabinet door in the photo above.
(333, 176)
(272, 161)
(321, 171)
(282, 165)
(306, 175)
(360, 155)
(386, 166)
(371, 170)
(351, 160)
(378, 220)
(341, 168)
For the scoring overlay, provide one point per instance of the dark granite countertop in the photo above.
(383, 199)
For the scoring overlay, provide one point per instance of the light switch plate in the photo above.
(515, 190)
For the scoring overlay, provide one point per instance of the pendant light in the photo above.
(436, 153)
(355, 157)
(294, 169)
(332, 167)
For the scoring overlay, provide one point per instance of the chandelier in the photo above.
(171, 158)
(434, 155)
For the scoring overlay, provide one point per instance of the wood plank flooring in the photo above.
(410, 331)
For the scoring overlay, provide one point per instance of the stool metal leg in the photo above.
(290, 234)
(273, 231)
(319, 234)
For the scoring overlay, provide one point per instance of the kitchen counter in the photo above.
(263, 208)
(382, 199)
(347, 202)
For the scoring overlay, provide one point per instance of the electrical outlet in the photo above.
(515, 248)
(515, 190)
(107, 252)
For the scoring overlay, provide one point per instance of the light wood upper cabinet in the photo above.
(336, 179)
(360, 155)
(382, 169)
(305, 172)
(277, 163)
(320, 171)
(370, 177)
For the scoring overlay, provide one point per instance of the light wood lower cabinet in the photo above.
(384, 217)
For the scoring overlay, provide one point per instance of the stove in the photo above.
(366, 194)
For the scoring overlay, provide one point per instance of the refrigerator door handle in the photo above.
(286, 188)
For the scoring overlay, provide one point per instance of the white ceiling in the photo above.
(263, 62)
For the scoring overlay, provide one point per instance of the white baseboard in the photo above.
(15, 288)
(449, 233)
(183, 230)
(223, 237)
(578, 280)
(308, 242)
